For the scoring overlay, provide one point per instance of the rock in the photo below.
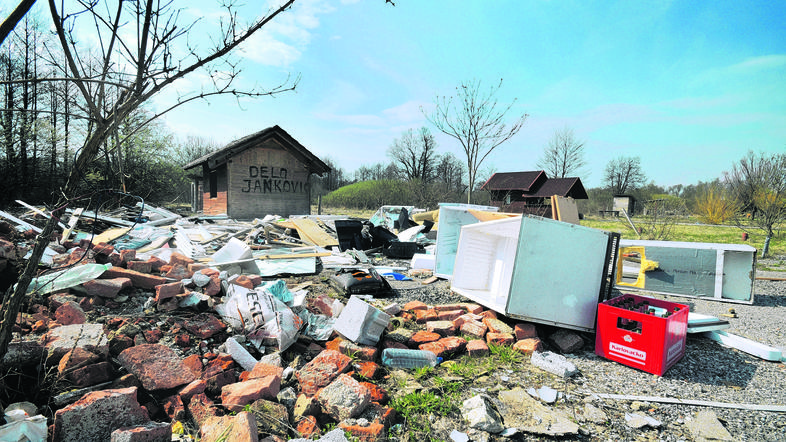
(235, 396)
(344, 398)
(239, 428)
(97, 415)
(635, 420)
(706, 427)
(481, 414)
(106, 288)
(70, 313)
(156, 366)
(567, 341)
(321, 371)
(527, 414)
(147, 432)
(271, 417)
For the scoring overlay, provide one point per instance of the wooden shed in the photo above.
(527, 192)
(267, 172)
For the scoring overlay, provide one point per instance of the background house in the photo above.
(268, 172)
(528, 192)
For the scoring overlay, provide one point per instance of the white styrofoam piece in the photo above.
(423, 261)
(361, 322)
(748, 346)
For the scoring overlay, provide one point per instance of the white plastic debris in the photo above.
(240, 354)
(457, 436)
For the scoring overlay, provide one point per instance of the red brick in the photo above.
(106, 288)
(378, 394)
(446, 307)
(183, 340)
(407, 316)
(435, 347)
(218, 364)
(179, 258)
(423, 337)
(157, 367)
(156, 263)
(213, 287)
(449, 315)
(147, 432)
(334, 344)
(235, 396)
(466, 317)
(488, 314)
(179, 272)
(525, 330)
(153, 336)
(500, 338)
(103, 248)
(243, 281)
(127, 255)
(477, 348)
(91, 374)
(215, 383)
(475, 309)
(204, 325)
(528, 345)
(140, 266)
(362, 352)
(196, 267)
(78, 357)
(70, 313)
(423, 316)
(371, 433)
(174, 408)
(166, 291)
(262, 369)
(140, 280)
(497, 326)
(307, 426)
(200, 407)
(414, 305)
(368, 369)
(444, 328)
(474, 329)
(321, 371)
(194, 364)
(192, 389)
(453, 345)
(210, 272)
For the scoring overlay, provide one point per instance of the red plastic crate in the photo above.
(654, 346)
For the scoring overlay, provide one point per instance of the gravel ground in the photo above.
(709, 371)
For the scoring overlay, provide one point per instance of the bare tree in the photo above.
(139, 65)
(758, 182)
(415, 154)
(475, 118)
(624, 174)
(15, 17)
(564, 156)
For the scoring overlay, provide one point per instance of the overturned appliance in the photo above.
(537, 269)
(720, 272)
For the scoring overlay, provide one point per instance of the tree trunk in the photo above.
(12, 301)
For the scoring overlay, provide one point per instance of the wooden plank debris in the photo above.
(39, 211)
(71, 224)
(311, 233)
(24, 224)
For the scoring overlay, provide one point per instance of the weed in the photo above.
(506, 354)
(417, 409)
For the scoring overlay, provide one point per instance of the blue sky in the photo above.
(688, 86)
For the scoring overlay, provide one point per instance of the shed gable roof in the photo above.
(274, 133)
(535, 184)
(524, 181)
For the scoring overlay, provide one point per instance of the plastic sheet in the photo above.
(261, 315)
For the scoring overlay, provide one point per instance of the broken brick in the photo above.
(423, 337)
(528, 345)
(500, 338)
(235, 396)
(322, 370)
(525, 331)
(477, 348)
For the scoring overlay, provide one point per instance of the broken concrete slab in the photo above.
(705, 427)
(522, 411)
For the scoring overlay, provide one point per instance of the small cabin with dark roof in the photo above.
(527, 192)
(265, 173)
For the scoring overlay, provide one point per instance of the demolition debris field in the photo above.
(722, 388)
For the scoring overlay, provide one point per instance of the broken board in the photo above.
(311, 233)
(564, 209)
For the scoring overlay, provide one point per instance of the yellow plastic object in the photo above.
(645, 265)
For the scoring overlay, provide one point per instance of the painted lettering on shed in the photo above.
(271, 179)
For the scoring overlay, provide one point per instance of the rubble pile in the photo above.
(211, 329)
